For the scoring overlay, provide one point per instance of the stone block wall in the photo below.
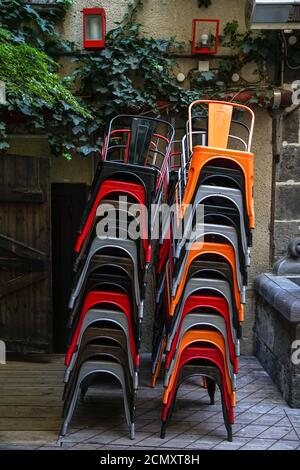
(277, 328)
(287, 188)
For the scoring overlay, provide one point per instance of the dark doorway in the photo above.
(68, 202)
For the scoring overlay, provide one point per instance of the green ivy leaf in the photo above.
(4, 146)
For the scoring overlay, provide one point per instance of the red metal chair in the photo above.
(110, 186)
(219, 305)
(211, 356)
(93, 298)
(201, 352)
(192, 338)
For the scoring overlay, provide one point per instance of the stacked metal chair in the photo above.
(202, 288)
(107, 300)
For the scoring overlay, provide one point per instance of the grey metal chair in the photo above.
(202, 230)
(97, 352)
(214, 285)
(195, 320)
(130, 248)
(91, 334)
(242, 288)
(210, 317)
(233, 195)
(92, 368)
(107, 316)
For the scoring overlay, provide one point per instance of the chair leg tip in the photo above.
(163, 431)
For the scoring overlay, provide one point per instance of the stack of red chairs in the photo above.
(114, 253)
(202, 285)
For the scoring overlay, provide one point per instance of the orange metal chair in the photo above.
(203, 336)
(225, 251)
(219, 122)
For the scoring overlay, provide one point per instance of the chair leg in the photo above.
(211, 389)
(83, 390)
(132, 431)
(163, 429)
(229, 432)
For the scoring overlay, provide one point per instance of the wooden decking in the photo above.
(30, 400)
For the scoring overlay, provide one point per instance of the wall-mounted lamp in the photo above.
(94, 24)
(205, 39)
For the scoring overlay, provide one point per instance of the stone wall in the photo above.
(277, 327)
(287, 187)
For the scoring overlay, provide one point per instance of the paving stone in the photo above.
(277, 410)
(251, 430)
(83, 446)
(126, 441)
(291, 436)
(205, 443)
(247, 417)
(258, 444)
(284, 445)
(297, 431)
(155, 440)
(181, 441)
(217, 418)
(292, 411)
(295, 420)
(264, 407)
(282, 422)
(106, 437)
(205, 428)
(268, 420)
(82, 435)
(114, 447)
(236, 444)
(221, 430)
(276, 432)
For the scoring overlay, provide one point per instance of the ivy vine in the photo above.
(38, 99)
(132, 74)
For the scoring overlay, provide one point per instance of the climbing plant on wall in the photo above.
(132, 74)
(37, 98)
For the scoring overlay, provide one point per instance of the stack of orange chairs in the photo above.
(203, 287)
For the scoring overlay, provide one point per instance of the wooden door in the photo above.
(25, 251)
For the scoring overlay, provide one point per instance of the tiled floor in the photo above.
(30, 408)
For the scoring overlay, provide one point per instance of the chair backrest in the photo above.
(226, 251)
(220, 120)
(139, 140)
